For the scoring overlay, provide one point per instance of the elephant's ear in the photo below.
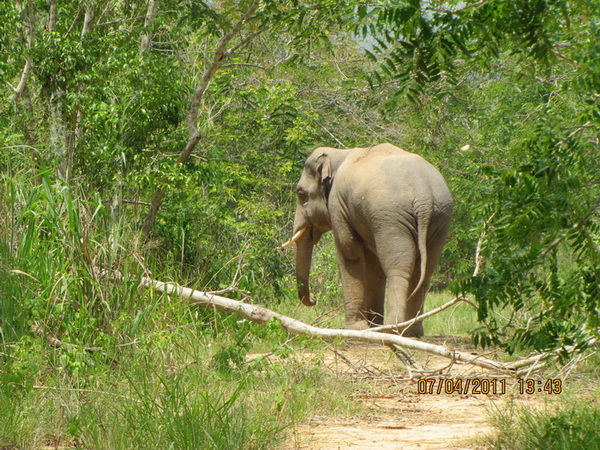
(325, 173)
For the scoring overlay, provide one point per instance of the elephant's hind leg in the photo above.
(398, 256)
(414, 306)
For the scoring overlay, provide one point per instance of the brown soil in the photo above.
(397, 416)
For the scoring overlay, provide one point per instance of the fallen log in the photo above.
(261, 315)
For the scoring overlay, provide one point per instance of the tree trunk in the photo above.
(22, 99)
(52, 16)
(87, 19)
(150, 15)
(159, 193)
(30, 37)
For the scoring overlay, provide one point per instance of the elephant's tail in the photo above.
(422, 231)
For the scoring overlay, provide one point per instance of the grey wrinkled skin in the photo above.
(389, 211)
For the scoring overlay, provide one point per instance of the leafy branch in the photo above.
(221, 53)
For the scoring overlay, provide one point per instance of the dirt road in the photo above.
(398, 416)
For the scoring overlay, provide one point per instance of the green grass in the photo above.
(176, 387)
(153, 399)
(567, 421)
(458, 319)
(570, 425)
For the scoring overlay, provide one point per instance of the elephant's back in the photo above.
(388, 169)
(384, 181)
(363, 154)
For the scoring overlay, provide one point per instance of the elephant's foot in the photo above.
(415, 330)
(357, 325)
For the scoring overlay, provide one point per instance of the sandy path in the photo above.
(397, 416)
(432, 423)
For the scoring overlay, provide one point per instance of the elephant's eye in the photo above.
(302, 196)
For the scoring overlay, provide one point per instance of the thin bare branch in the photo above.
(159, 193)
(221, 53)
(87, 391)
(57, 343)
(458, 10)
(478, 258)
(579, 224)
(256, 66)
(260, 314)
(422, 316)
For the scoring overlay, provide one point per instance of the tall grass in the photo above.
(55, 256)
(87, 359)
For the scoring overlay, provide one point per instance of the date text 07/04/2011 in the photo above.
(496, 386)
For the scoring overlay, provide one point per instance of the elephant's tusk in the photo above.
(297, 236)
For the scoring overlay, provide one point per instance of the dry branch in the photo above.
(57, 343)
(422, 316)
(260, 314)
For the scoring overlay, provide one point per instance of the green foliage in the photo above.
(417, 43)
(123, 362)
(542, 263)
(502, 101)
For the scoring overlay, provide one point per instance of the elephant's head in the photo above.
(312, 215)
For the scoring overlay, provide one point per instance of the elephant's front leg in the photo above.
(375, 288)
(351, 262)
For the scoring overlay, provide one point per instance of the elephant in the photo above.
(390, 212)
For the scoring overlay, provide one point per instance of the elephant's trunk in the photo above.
(304, 249)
